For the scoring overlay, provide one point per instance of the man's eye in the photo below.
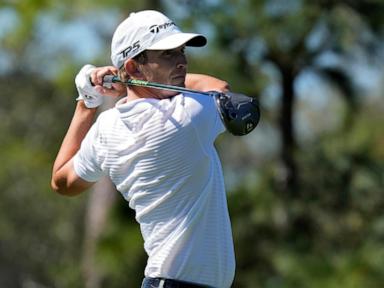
(169, 53)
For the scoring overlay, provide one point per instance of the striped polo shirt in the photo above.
(160, 154)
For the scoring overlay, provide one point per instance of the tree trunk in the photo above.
(289, 178)
(101, 199)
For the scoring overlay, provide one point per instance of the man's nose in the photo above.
(182, 65)
(181, 61)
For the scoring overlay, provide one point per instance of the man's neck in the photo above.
(134, 93)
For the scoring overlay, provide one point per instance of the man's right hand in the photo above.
(115, 89)
(89, 84)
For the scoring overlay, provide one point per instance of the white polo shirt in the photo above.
(160, 154)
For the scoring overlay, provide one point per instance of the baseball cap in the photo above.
(148, 30)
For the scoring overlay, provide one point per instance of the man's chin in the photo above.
(180, 82)
(168, 94)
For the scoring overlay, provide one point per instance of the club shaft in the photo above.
(141, 83)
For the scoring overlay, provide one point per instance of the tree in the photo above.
(306, 210)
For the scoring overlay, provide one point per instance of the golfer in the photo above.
(158, 149)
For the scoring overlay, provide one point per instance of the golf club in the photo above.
(109, 79)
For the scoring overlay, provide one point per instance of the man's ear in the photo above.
(133, 69)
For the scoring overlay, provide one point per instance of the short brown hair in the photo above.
(141, 58)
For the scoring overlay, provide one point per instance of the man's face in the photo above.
(165, 66)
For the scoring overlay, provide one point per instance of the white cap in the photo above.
(148, 30)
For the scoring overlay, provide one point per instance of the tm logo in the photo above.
(156, 28)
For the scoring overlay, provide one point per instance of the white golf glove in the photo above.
(86, 90)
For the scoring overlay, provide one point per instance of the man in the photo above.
(158, 149)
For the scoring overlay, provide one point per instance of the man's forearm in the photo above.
(205, 83)
(81, 123)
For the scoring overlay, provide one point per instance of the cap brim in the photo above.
(176, 40)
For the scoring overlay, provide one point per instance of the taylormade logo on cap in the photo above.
(148, 30)
(157, 28)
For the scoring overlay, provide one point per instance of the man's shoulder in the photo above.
(107, 117)
(204, 101)
(109, 113)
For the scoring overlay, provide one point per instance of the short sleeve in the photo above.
(205, 116)
(85, 161)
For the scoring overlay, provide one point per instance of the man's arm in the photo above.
(64, 179)
(205, 83)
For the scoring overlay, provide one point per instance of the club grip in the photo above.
(109, 79)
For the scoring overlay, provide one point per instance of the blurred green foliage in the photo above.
(324, 229)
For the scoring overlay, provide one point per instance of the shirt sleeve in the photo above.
(85, 161)
(205, 117)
